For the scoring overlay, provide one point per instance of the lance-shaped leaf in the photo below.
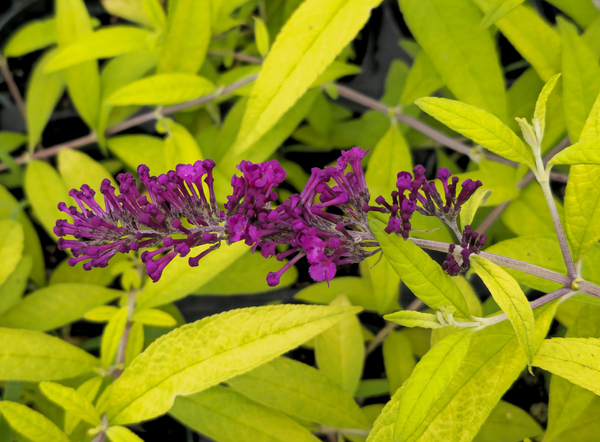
(135, 343)
(30, 424)
(225, 415)
(302, 391)
(591, 128)
(122, 434)
(15, 285)
(419, 272)
(105, 43)
(581, 78)
(398, 359)
(187, 36)
(71, 401)
(57, 305)
(584, 152)
(408, 318)
(11, 247)
(575, 359)
(465, 58)
(480, 126)
(88, 390)
(508, 422)
(511, 299)
(154, 317)
(33, 356)
(309, 42)
(429, 380)
(383, 427)
(582, 209)
(162, 89)
(422, 80)
(32, 36)
(540, 105)
(112, 336)
(469, 209)
(498, 10)
(200, 355)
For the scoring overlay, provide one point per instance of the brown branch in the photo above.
(12, 87)
(132, 122)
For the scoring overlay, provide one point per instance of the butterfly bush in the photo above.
(178, 212)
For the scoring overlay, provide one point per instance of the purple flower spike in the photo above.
(470, 244)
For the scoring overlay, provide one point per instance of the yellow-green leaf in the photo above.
(88, 390)
(498, 10)
(111, 337)
(32, 36)
(511, 299)
(422, 80)
(155, 12)
(465, 57)
(57, 305)
(135, 343)
(162, 89)
(71, 401)
(508, 422)
(582, 209)
(581, 78)
(180, 145)
(301, 391)
(155, 317)
(591, 128)
(216, 349)
(122, 434)
(9, 141)
(30, 424)
(419, 272)
(42, 93)
(469, 209)
(398, 359)
(340, 351)
(226, 416)
(102, 313)
(11, 247)
(261, 35)
(27, 355)
(187, 36)
(430, 379)
(308, 43)
(15, 285)
(583, 12)
(480, 126)
(575, 359)
(358, 290)
(78, 168)
(583, 152)
(134, 150)
(540, 106)
(408, 318)
(383, 427)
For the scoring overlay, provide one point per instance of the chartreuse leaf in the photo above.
(78, 168)
(32, 36)
(308, 43)
(508, 422)
(9, 141)
(582, 209)
(64, 273)
(71, 401)
(511, 299)
(162, 89)
(30, 424)
(581, 11)
(532, 36)
(138, 149)
(88, 390)
(419, 272)
(398, 359)
(247, 275)
(575, 359)
(301, 391)
(568, 401)
(122, 434)
(358, 290)
(106, 42)
(179, 279)
(187, 36)
(14, 287)
(155, 317)
(584, 152)
(385, 284)
(135, 342)
(83, 80)
(422, 80)
(56, 305)
(11, 247)
(469, 209)
(180, 145)
(112, 336)
(591, 128)
(491, 365)
(483, 128)
(224, 414)
(498, 10)
(408, 318)
(261, 35)
(539, 115)
(216, 349)
(45, 189)
(430, 379)
(581, 78)
(156, 14)
(340, 350)
(42, 93)
(466, 58)
(383, 427)
(33, 356)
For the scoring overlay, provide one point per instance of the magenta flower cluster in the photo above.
(470, 244)
(178, 212)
